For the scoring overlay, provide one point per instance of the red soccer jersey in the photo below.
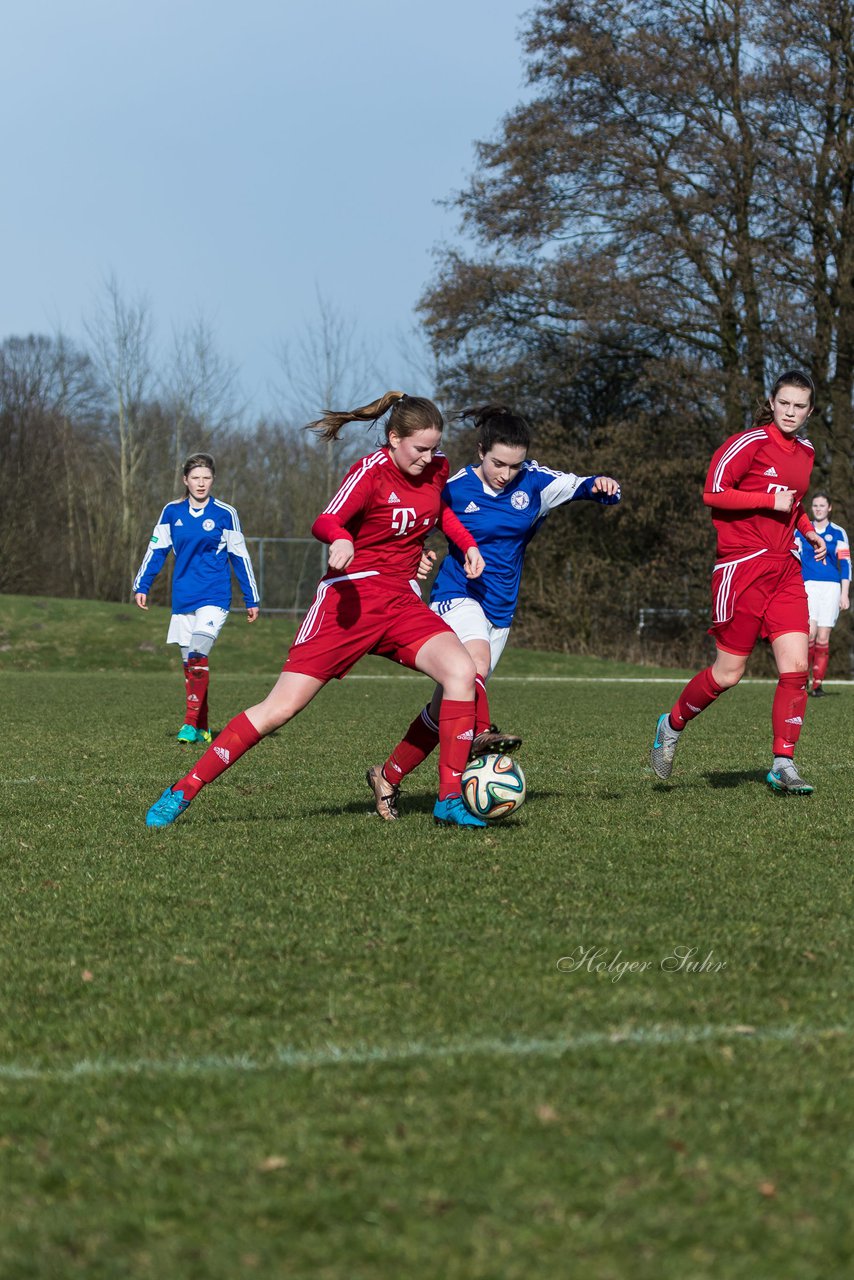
(761, 461)
(387, 516)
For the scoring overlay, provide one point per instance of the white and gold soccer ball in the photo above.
(493, 787)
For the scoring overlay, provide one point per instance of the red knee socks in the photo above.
(820, 660)
(236, 738)
(456, 730)
(196, 679)
(787, 711)
(698, 694)
(420, 739)
(482, 718)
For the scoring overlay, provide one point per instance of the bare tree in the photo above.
(121, 334)
(329, 367)
(200, 390)
(45, 385)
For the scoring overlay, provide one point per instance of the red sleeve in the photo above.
(739, 500)
(353, 496)
(804, 524)
(454, 530)
(732, 461)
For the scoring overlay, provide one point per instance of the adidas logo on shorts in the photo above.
(224, 754)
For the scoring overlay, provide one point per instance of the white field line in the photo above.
(417, 675)
(289, 1059)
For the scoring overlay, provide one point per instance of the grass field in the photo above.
(283, 1039)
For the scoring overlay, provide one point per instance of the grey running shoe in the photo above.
(664, 748)
(785, 778)
(493, 741)
(385, 793)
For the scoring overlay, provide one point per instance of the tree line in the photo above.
(663, 224)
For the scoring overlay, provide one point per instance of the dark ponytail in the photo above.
(496, 424)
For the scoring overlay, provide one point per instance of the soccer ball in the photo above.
(493, 787)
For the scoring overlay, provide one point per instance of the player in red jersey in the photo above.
(375, 527)
(755, 488)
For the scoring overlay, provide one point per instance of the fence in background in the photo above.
(287, 570)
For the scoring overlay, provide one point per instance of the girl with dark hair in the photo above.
(375, 527)
(199, 530)
(755, 488)
(504, 499)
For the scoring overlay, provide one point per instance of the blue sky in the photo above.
(235, 160)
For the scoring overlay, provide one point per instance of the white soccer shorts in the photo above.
(207, 621)
(467, 620)
(823, 601)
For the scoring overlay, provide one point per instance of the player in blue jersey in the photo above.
(503, 499)
(206, 538)
(827, 584)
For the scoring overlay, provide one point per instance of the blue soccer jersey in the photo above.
(204, 540)
(503, 523)
(836, 566)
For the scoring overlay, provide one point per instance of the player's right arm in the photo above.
(158, 549)
(729, 466)
(353, 496)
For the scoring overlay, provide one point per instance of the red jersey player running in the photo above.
(375, 526)
(755, 488)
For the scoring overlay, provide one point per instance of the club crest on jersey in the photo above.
(207, 525)
(392, 497)
(520, 500)
(771, 471)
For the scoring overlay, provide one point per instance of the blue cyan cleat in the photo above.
(165, 810)
(453, 813)
(785, 779)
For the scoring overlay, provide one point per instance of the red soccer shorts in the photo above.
(755, 596)
(351, 617)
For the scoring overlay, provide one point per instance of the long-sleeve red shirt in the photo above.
(745, 474)
(387, 516)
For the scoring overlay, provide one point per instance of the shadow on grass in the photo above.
(735, 778)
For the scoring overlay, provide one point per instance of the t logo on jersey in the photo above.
(778, 488)
(402, 519)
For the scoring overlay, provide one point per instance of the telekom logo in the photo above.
(402, 519)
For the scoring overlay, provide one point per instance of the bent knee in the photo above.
(728, 678)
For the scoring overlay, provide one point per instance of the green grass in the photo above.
(284, 1039)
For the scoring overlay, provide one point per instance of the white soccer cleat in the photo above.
(664, 748)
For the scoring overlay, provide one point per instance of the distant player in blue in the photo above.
(206, 538)
(827, 585)
(502, 499)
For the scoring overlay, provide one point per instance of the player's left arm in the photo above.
(565, 486)
(241, 561)
(456, 532)
(805, 529)
(843, 557)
